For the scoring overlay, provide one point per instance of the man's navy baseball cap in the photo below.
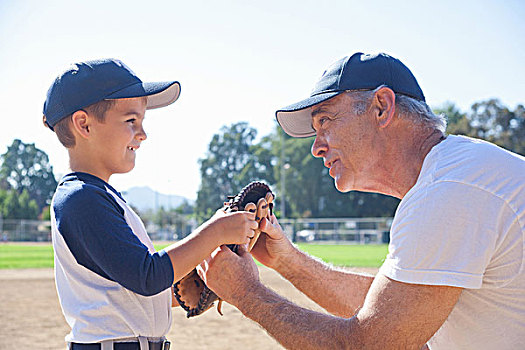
(357, 72)
(86, 83)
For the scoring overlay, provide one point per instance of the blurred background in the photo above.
(237, 62)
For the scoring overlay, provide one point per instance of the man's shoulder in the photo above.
(476, 151)
(472, 161)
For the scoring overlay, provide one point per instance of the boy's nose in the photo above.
(141, 135)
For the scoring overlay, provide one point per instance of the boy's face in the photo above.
(117, 138)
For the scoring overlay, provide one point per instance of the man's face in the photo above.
(119, 136)
(344, 141)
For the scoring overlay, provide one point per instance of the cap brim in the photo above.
(159, 94)
(296, 119)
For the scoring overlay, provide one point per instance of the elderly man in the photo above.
(454, 277)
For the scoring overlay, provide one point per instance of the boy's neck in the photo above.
(82, 163)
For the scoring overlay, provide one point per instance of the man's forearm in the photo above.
(292, 326)
(339, 292)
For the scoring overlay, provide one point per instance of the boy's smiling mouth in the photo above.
(133, 148)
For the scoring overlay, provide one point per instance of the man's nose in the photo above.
(319, 147)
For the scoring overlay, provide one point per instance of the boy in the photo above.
(114, 288)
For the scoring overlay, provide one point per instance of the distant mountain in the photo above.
(144, 198)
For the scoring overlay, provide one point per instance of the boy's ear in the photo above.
(385, 103)
(81, 123)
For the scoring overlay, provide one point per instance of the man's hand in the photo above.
(273, 245)
(229, 275)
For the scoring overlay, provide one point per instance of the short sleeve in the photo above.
(444, 234)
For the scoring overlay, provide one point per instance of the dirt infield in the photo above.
(30, 316)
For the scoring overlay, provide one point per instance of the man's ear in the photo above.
(81, 123)
(385, 103)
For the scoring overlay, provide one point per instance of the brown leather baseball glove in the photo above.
(191, 292)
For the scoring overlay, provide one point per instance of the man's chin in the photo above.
(342, 186)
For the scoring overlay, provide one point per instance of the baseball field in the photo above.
(30, 315)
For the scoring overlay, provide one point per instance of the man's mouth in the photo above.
(329, 164)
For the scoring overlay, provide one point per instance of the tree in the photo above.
(232, 161)
(25, 167)
(15, 206)
(494, 122)
(491, 121)
(457, 122)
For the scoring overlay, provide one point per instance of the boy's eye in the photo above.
(132, 120)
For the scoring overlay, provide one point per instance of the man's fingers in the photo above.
(201, 271)
(269, 199)
(267, 227)
(216, 255)
(241, 249)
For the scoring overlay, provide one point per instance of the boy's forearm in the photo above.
(339, 292)
(190, 251)
(292, 326)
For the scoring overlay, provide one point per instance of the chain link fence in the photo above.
(338, 230)
(328, 231)
(25, 231)
(40, 231)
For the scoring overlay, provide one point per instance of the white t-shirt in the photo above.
(463, 225)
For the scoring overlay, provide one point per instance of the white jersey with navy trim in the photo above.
(110, 281)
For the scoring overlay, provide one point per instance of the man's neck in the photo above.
(415, 159)
(404, 160)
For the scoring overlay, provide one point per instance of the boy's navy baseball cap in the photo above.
(86, 83)
(357, 72)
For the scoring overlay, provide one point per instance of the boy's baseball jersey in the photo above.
(110, 281)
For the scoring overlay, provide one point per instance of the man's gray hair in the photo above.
(407, 107)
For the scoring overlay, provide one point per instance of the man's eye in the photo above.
(322, 120)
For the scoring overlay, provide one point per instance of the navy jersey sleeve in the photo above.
(95, 230)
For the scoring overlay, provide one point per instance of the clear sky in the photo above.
(242, 60)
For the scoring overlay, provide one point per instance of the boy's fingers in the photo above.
(251, 207)
(254, 225)
(262, 210)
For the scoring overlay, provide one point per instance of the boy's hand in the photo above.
(232, 228)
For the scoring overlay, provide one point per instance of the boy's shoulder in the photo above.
(82, 191)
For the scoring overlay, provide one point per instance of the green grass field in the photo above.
(348, 255)
(18, 256)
